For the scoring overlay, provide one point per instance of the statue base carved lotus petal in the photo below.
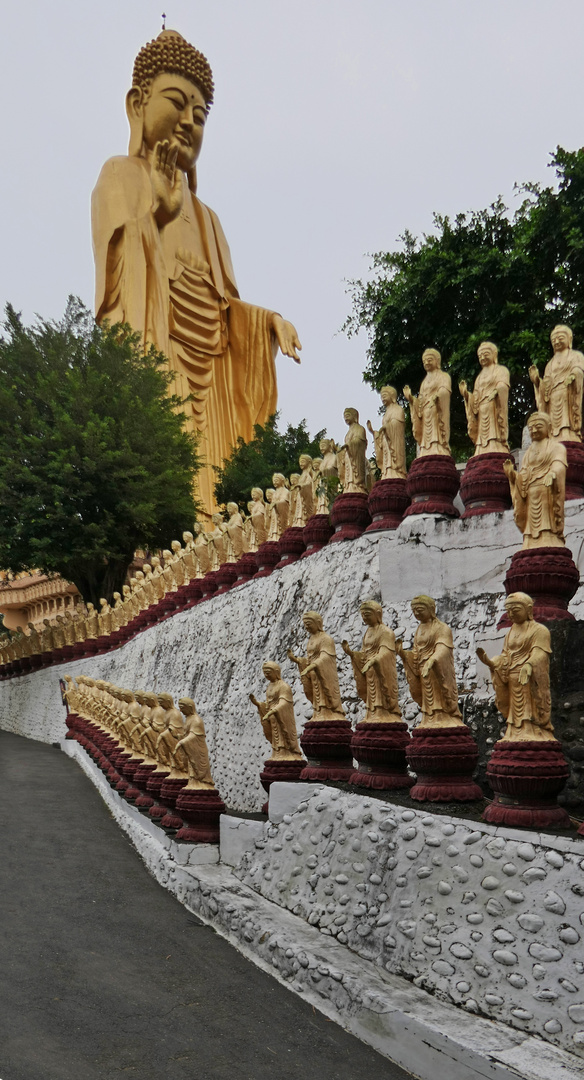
(432, 485)
(200, 808)
(527, 778)
(327, 745)
(547, 574)
(169, 793)
(444, 760)
(154, 785)
(209, 584)
(291, 545)
(380, 750)
(72, 721)
(388, 502)
(267, 556)
(246, 567)
(141, 778)
(484, 488)
(349, 516)
(274, 771)
(316, 533)
(193, 593)
(575, 473)
(225, 576)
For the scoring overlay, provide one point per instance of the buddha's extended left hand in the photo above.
(286, 337)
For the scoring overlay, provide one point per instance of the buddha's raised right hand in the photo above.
(166, 179)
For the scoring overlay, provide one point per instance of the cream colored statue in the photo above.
(430, 411)
(163, 264)
(148, 584)
(189, 557)
(194, 747)
(168, 751)
(234, 532)
(171, 584)
(280, 507)
(277, 715)
(318, 670)
(104, 618)
(521, 674)
(538, 490)
(119, 613)
(374, 667)
(429, 667)
(559, 393)
(158, 582)
(202, 549)
(487, 406)
(352, 456)
(177, 562)
(390, 440)
(305, 493)
(217, 543)
(294, 496)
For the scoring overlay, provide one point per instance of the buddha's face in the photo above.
(370, 617)
(421, 612)
(486, 355)
(430, 361)
(310, 624)
(538, 428)
(176, 546)
(232, 508)
(294, 478)
(305, 461)
(560, 338)
(516, 611)
(271, 672)
(351, 416)
(388, 395)
(173, 111)
(278, 480)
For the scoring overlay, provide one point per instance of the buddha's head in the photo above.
(139, 577)
(539, 426)
(312, 621)
(488, 354)
(325, 446)
(217, 519)
(187, 706)
(519, 607)
(171, 94)
(176, 546)
(431, 360)
(388, 395)
(424, 608)
(561, 338)
(257, 494)
(305, 461)
(187, 537)
(279, 480)
(166, 701)
(126, 590)
(166, 554)
(147, 569)
(316, 464)
(371, 612)
(272, 670)
(232, 509)
(270, 492)
(117, 596)
(294, 478)
(351, 416)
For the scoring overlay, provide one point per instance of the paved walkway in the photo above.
(104, 974)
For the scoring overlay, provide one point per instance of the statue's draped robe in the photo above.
(378, 686)
(304, 499)
(562, 403)
(430, 418)
(436, 693)
(488, 425)
(390, 444)
(176, 286)
(353, 460)
(195, 748)
(525, 706)
(539, 509)
(322, 685)
(280, 728)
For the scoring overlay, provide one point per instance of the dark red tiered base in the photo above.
(225, 576)
(200, 808)
(267, 557)
(575, 473)
(316, 533)
(432, 484)
(291, 546)
(547, 574)
(388, 501)
(209, 584)
(169, 793)
(193, 592)
(444, 760)
(380, 750)
(327, 745)
(276, 771)
(349, 516)
(246, 567)
(484, 488)
(527, 778)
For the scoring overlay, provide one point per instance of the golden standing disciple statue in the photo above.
(280, 507)
(374, 667)
(305, 493)
(487, 406)
(390, 440)
(429, 667)
(318, 670)
(538, 490)
(163, 264)
(194, 747)
(352, 456)
(430, 411)
(258, 518)
(559, 393)
(234, 532)
(521, 674)
(277, 715)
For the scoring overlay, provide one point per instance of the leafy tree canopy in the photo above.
(94, 458)
(486, 275)
(253, 464)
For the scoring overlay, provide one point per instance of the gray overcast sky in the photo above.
(336, 125)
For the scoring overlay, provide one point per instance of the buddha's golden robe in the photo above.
(525, 706)
(176, 286)
(435, 692)
(539, 508)
(321, 686)
(486, 410)
(280, 728)
(378, 687)
(430, 413)
(560, 394)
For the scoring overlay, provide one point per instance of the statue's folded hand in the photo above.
(286, 337)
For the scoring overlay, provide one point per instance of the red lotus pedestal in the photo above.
(527, 778)
(275, 771)
(267, 556)
(153, 787)
(225, 576)
(246, 567)
(432, 484)
(141, 777)
(209, 584)
(380, 750)
(291, 545)
(36, 661)
(575, 473)
(349, 516)
(200, 808)
(193, 593)
(484, 488)
(547, 574)
(388, 501)
(169, 794)
(327, 745)
(316, 533)
(444, 760)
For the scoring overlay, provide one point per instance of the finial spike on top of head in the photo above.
(163, 17)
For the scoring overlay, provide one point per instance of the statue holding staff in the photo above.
(429, 667)
(318, 670)
(374, 667)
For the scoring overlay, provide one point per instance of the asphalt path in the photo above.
(104, 974)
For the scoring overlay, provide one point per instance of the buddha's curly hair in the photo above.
(169, 52)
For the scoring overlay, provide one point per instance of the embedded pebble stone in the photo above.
(401, 882)
(475, 917)
(476, 860)
(554, 859)
(509, 869)
(451, 850)
(410, 833)
(490, 883)
(503, 936)
(374, 837)
(424, 871)
(312, 861)
(407, 927)
(411, 855)
(463, 987)
(468, 897)
(568, 986)
(481, 971)
(518, 981)
(522, 1014)
(448, 829)
(539, 972)
(433, 841)
(460, 874)
(494, 999)
(356, 845)
(576, 1013)
(505, 957)
(553, 1027)
(471, 838)
(460, 951)
(431, 942)
(553, 902)
(342, 879)
(496, 847)
(476, 936)
(546, 954)
(534, 873)
(408, 815)
(514, 896)
(531, 923)
(388, 824)
(569, 935)
(444, 888)
(546, 995)
(526, 852)
(390, 941)
(375, 879)
(427, 820)
(579, 1038)
(442, 967)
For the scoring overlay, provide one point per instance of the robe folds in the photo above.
(436, 692)
(525, 706)
(561, 400)
(280, 727)
(176, 287)
(430, 413)
(488, 426)
(539, 508)
(321, 686)
(378, 687)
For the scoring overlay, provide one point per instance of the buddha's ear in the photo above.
(135, 114)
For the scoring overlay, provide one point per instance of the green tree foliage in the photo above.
(484, 275)
(253, 464)
(94, 459)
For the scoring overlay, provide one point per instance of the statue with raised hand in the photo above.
(390, 440)
(538, 490)
(318, 670)
(559, 392)
(487, 405)
(374, 667)
(429, 667)
(277, 715)
(430, 410)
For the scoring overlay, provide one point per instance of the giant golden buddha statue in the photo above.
(163, 264)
